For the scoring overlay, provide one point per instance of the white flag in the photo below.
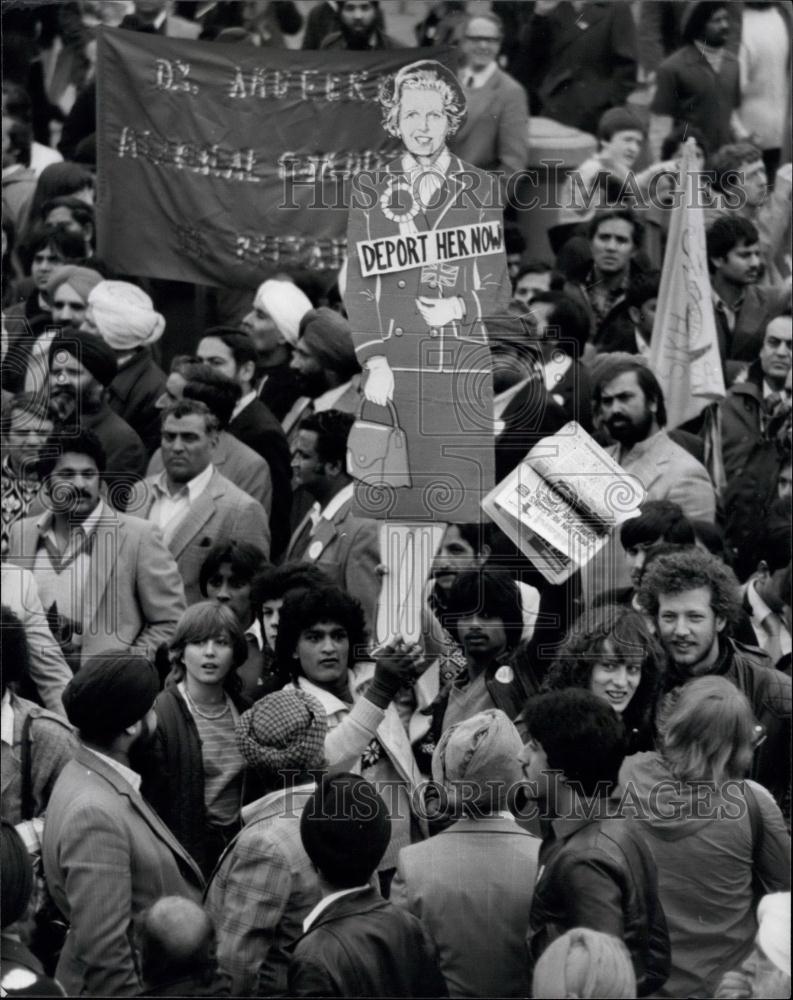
(684, 354)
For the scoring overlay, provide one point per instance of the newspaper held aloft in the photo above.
(564, 502)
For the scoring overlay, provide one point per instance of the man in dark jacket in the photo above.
(595, 869)
(355, 943)
(615, 237)
(753, 403)
(579, 59)
(360, 28)
(698, 85)
(231, 352)
(742, 308)
(81, 368)
(694, 597)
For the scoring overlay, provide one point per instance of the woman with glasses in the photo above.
(717, 838)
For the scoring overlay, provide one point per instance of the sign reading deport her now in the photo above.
(222, 163)
(399, 253)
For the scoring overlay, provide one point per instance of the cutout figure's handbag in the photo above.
(378, 453)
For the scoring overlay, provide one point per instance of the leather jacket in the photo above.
(335, 957)
(599, 873)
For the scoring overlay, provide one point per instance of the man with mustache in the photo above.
(630, 403)
(106, 579)
(81, 367)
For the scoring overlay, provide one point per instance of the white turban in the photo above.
(773, 932)
(286, 304)
(124, 315)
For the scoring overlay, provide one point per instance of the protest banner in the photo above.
(562, 504)
(684, 352)
(221, 163)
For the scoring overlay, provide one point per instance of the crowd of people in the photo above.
(216, 781)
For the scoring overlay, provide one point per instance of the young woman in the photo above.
(612, 653)
(226, 578)
(194, 776)
(322, 641)
(714, 835)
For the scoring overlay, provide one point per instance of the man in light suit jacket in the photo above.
(472, 885)
(495, 133)
(630, 404)
(193, 505)
(48, 669)
(106, 579)
(107, 856)
(236, 461)
(346, 547)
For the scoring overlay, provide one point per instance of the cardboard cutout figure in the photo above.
(426, 267)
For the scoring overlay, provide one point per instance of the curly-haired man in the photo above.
(694, 598)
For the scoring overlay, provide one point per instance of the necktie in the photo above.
(302, 535)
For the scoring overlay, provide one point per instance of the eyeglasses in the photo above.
(759, 736)
(483, 38)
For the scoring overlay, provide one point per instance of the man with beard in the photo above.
(273, 324)
(324, 359)
(107, 855)
(630, 404)
(693, 598)
(360, 28)
(106, 579)
(231, 353)
(698, 85)
(81, 367)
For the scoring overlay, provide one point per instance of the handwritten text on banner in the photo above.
(221, 163)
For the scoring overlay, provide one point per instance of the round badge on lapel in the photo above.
(314, 550)
(505, 675)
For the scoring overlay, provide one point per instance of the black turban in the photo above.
(109, 693)
(91, 351)
(16, 870)
(345, 829)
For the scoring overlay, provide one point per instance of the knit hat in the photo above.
(124, 315)
(110, 692)
(584, 963)
(619, 120)
(345, 829)
(285, 303)
(82, 279)
(16, 875)
(284, 731)
(478, 759)
(328, 336)
(91, 351)
(773, 930)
